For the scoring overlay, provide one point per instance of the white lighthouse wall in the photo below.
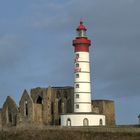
(83, 87)
(84, 66)
(83, 107)
(82, 77)
(83, 97)
(79, 120)
(83, 56)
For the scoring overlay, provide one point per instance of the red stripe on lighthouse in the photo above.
(81, 40)
(81, 48)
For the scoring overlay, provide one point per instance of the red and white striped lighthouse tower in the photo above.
(82, 84)
(82, 115)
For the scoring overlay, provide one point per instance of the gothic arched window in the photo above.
(9, 116)
(39, 100)
(60, 106)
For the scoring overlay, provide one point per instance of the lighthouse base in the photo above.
(82, 119)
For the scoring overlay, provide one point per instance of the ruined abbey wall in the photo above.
(105, 107)
(9, 113)
(43, 106)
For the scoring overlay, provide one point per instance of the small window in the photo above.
(77, 75)
(68, 122)
(77, 85)
(77, 55)
(77, 106)
(77, 95)
(101, 122)
(77, 64)
(26, 108)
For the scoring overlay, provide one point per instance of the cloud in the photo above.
(10, 50)
(114, 30)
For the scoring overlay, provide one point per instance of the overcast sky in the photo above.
(36, 48)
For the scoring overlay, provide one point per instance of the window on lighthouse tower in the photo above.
(77, 95)
(77, 106)
(77, 64)
(77, 55)
(77, 75)
(77, 85)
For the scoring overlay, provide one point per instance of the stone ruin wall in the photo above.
(45, 105)
(105, 107)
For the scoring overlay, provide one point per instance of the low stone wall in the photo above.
(75, 133)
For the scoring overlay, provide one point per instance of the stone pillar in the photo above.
(47, 106)
(56, 114)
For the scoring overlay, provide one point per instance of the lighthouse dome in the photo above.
(81, 26)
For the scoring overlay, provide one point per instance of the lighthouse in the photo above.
(83, 114)
(82, 84)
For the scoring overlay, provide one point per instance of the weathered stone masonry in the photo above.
(43, 106)
(9, 113)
